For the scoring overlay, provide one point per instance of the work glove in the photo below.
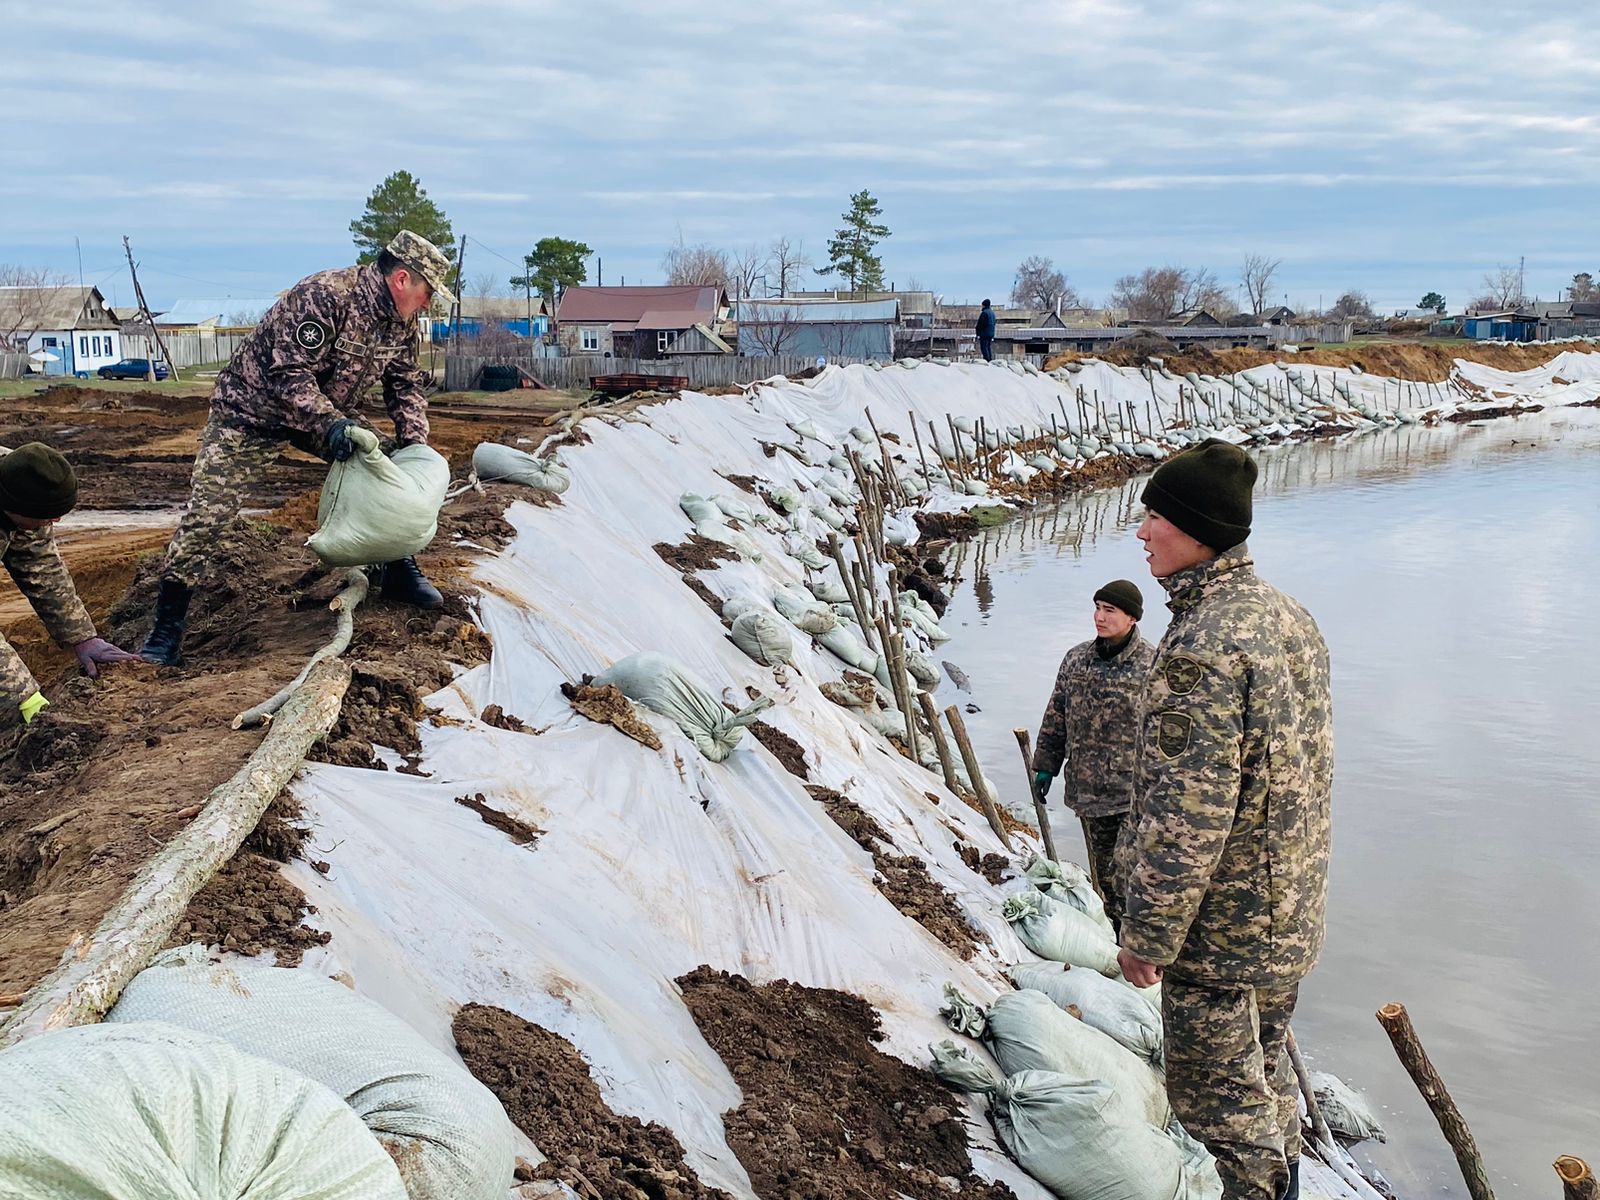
(97, 650)
(1041, 782)
(31, 706)
(347, 438)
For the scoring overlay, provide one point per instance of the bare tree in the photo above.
(700, 264)
(485, 285)
(1484, 303)
(749, 266)
(241, 318)
(789, 261)
(1256, 275)
(24, 309)
(1039, 285)
(1504, 284)
(1201, 289)
(774, 328)
(1353, 304)
(1152, 294)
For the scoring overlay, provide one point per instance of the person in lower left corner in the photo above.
(1091, 724)
(37, 488)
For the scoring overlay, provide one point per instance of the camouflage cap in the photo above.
(426, 259)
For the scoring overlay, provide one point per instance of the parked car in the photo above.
(133, 368)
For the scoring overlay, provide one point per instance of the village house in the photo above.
(818, 328)
(495, 314)
(638, 322)
(63, 330)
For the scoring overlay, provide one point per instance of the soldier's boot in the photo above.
(165, 643)
(404, 582)
(1291, 1191)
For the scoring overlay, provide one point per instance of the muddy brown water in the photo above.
(1454, 573)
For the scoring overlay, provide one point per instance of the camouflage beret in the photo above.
(426, 259)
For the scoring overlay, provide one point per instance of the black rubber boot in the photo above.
(404, 581)
(1292, 1192)
(165, 643)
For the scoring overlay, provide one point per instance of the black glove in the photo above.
(347, 437)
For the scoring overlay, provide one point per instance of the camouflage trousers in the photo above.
(229, 462)
(16, 685)
(1230, 1080)
(1102, 833)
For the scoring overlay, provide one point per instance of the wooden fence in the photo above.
(461, 370)
(186, 349)
(12, 365)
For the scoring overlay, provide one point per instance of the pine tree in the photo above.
(850, 249)
(554, 265)
(395, 204)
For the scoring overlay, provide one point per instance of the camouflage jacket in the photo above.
(313, 357)
(1092, 722)
(35, 565)
(1226, 850)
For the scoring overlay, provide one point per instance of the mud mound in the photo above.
(609, 706)
(1134, 350)
(696, 554)
(863, 1124)
(784, 748)
(250, 907)
(549, 1094)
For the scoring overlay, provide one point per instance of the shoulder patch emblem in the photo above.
(312, 334)
(1183, 674)
(1172, 733)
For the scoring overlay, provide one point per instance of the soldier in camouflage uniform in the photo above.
(1092, 723)
(301, 378)
(37, 486)
(1226, 850)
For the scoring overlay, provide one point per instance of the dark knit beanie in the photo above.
(36, 482)
(1124, 594)
(1205, 491)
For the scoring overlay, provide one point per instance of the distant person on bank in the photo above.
(985, 327)
(1225, 854)
(1091, 724)
(301, 378)
(37, 488)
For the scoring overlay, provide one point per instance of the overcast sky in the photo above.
(1395, 146)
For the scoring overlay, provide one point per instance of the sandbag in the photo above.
(919, 614)
(825, 512)
(1070, 883)
(843, 642)
(1055, 930)
(719, 532)
(764, 637)
(1345, 1110)
(807, 615)
(376, 509)
(740, 511)
(124, 1112)
(660, 684)
(786, 499)
(447, 1131)
(735, 607)
(922, 668)
(1026, 1031)
(1124, 1014)
(898, 530)
(830, 592)
(494, 463)
(698, 508)
(803, 548)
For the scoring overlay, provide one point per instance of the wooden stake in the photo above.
(1318, 1124)
(1577, 1181)
(941, 746)
(916, 435)
(974, 773)
(1396, 1023)
(847, 577)
(1023, 741)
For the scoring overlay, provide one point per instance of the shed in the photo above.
(826, 328)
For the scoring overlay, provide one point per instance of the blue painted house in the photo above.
(1513, 325)
(496, 313)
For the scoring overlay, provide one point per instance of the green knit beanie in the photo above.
(1123, 594)
(36, 482)
(1205, 491)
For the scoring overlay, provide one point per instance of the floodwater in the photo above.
(1455, 574)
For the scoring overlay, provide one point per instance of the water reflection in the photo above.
(1453, 572)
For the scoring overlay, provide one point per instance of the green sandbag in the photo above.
(376, 509)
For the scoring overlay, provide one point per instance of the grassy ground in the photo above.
(188, 386)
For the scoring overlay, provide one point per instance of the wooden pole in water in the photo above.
(1319, 1124)
(975, 773)
(1033, 790)
(941, 746)
(1577, 1181)
(1396, 1023)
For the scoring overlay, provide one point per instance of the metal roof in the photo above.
(814, 312)
(35, 308)
(628, 304)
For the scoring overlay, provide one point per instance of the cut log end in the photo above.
(1573, 1169)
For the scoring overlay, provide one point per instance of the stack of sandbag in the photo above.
(918, 613)
(709, 523)
(660, 684)
(764, 637)
(1058, 931)
(152, 1110)
(1082, 1138)
(1069, 883)
(494, 463)
(804, 612)
(1119, 1011)
(447, 1132)
(376, 509)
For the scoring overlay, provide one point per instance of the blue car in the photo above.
(132, 368)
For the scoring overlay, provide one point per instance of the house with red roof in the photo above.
(641, 322)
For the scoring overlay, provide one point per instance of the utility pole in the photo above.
(149, 317)
(599, 271)
(455, 309)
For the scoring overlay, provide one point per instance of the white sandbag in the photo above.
(807, 615)
(830, 592)
(975, 487)
(740, 511)
(1055, 930)
(719, 532)
(107, 1112)
(826, 513)
(885, 722)
(1026, 1031)
(864, 436)
(922, 668)
(376, 509)
(660, 684)
(786, 499)
(1124, 1014)
(698, 508)
(494, 463)
(846, 645)
(736, 606)
(445, 1130)
(967, 425)
(764, 637)
(919, 614)
(1068, 882)
(802, 548)
(1345, 1110)
(898, 530)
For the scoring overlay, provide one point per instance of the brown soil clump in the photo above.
(996, 868)
(549, 1094)
(697, 554)
(903, 880)
(609, 706)
(498, 717)
(920, 572)
(745, 483)
(698, 586)
(520, 832)
(251, 908)
(945, 526)
(784, 748)
(865, 1125)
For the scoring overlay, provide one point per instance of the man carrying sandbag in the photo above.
(37, 488)
(1092, 723)
(1225, 853)
(300, 378)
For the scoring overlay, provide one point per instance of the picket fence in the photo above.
(185, 349)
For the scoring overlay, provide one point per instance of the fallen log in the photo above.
(94, 970)
(345, 604)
